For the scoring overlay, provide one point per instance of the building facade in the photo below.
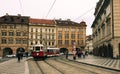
(42, 31)
(106, 29)
(14, 34)
(89, 44)
(21, 32)
(69, 32)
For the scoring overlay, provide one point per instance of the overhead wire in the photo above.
(50, 8)
(84, 13)
(21, 6)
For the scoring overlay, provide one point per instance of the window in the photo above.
(73, 36)
(49, 43)
(11, 34)
(108, 25)
(31, 29)
(31, 43)
(11, 26)
(25, 41)
(72, 41)
(59, 42)
(10, 41)
(66, 29)
(25, 34)
(52, 30)
(66, 42)
(59, 36)
(52, 43)
(36, 30)
(18, 34)
(103, 30)
(53, 36)
(18, 41)
(73, 29)
(4, 41)
(49, 30)
(4, 33)
(66, 36)
(59, 29)
(4, 26)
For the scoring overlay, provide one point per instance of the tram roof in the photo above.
(54, 48)
(38, 45)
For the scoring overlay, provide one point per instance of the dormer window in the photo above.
(22, 20)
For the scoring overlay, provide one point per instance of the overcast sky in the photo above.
(76, 10)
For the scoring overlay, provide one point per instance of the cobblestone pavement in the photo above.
(113, 64)
(14, 67)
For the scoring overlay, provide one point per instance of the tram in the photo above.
(52, 52)
(38, 52)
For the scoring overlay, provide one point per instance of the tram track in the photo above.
(33, 67)
(69, 69)
(78, 67)
(61, 65)
(42, 67)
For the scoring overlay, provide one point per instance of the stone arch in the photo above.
(7, 51)
(63, 50)
(20, 49)
(110, 50)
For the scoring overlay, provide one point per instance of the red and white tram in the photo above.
(52, 52)
(38, 52)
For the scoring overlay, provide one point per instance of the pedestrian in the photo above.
(19, 56)
(74, 55)
(83, 54)
(26, 54)
(67, 54)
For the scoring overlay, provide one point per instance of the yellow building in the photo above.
(69, 32)
(57, 33)
(14, 34)
(106, 29)
(42, 31)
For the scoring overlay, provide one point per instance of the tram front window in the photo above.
(37, 48)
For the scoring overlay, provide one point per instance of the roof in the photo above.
(42, 21)
(65, 22)
(12, 19)
(68, 22)
(83, 23)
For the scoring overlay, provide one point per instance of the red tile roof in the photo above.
(42, 21)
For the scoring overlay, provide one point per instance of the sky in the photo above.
(76, 10)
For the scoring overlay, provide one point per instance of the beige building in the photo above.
(106, 28)
(69, 32)
(13, 34)
(57, 33)
(42, 31)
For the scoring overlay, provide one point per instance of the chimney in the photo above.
(19, 14)
(7, 14)
(68, 19)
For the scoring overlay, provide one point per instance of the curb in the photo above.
(96, 65)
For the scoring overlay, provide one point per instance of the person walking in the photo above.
(74, 55)
(19, 56)
(67, 54)
(83, 54)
